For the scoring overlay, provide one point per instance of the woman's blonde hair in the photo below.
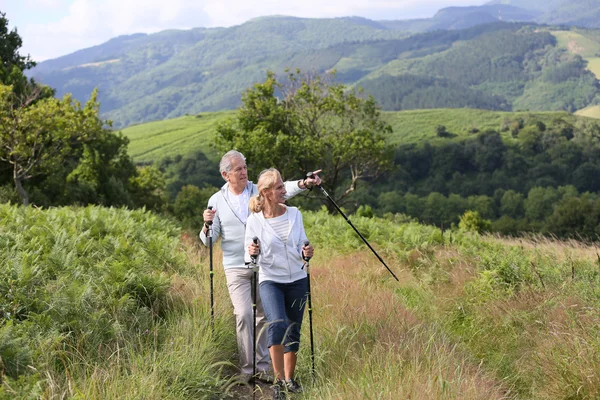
(266, 180)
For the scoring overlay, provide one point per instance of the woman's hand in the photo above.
(253, 249)
(308, 251)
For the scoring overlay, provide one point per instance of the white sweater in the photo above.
(279, 261)
(228, 225)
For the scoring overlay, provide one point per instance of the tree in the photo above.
(575, 217)
(540, 203)
(512, 204)
(471, 221)
(314, 123)
(13, 65)
(189, 203)
(36, 137)
(10, 43)
(148, 187)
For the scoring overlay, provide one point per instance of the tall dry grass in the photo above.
(370, 346)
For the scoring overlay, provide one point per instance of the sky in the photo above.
(52, 28)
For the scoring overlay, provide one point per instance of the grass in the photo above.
(179, 136)
(577, 43)
(418, 126)
(473, 317)
(594, 66)
(155, 140)
(590, 112)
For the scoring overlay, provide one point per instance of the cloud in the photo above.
(91, 22)
(85, 23)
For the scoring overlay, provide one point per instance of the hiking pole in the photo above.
(312, 345)
(310, 175)
(209, 233)
(254, 285)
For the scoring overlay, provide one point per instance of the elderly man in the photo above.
(228, 215)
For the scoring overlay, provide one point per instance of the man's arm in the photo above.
(294, 187)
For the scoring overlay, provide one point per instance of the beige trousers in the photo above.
(239, 283)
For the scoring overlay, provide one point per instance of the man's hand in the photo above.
(209, 216)
(313, 180)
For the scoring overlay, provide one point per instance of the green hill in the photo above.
(498, 66)
(172, 73)
(518, 68)
(154, 141)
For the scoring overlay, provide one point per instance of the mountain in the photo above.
(582, 13)
(464, 17)
(496, 66)
(148, 77)
(537, 5)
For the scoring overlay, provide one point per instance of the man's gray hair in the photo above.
(225, 164)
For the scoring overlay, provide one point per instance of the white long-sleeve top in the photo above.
(231, 227)
(279, 261)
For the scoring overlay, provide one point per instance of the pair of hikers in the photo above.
(238, 213)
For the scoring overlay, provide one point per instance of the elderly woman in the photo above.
(228, 217)
(282, 280)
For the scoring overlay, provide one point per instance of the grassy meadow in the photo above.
(590, 112)
(107, 303)
(577, 43)
(156, 140)
(179, 136)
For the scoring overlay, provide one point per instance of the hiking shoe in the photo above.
(293, 386)
(279, 391)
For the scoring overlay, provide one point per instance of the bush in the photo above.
(189, 204)
(471, 221)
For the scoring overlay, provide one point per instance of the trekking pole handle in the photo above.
(209, 222)
(255, 241)
(307, 259)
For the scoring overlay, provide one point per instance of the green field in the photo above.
(155, 140)
(414, 126)
(591, 112)
(594, 66)
(577, 43)
(158, 139)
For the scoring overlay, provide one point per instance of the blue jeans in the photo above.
(284, 308)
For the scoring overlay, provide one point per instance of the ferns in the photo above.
(89, 277)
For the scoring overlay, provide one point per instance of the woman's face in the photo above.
(276, 193)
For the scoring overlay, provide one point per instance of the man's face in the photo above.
(238, 174)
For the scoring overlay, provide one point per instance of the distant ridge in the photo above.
(145, 77)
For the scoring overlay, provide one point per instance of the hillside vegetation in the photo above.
(153, 141)
(524, 171)
(106, 303)
(497, 66)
